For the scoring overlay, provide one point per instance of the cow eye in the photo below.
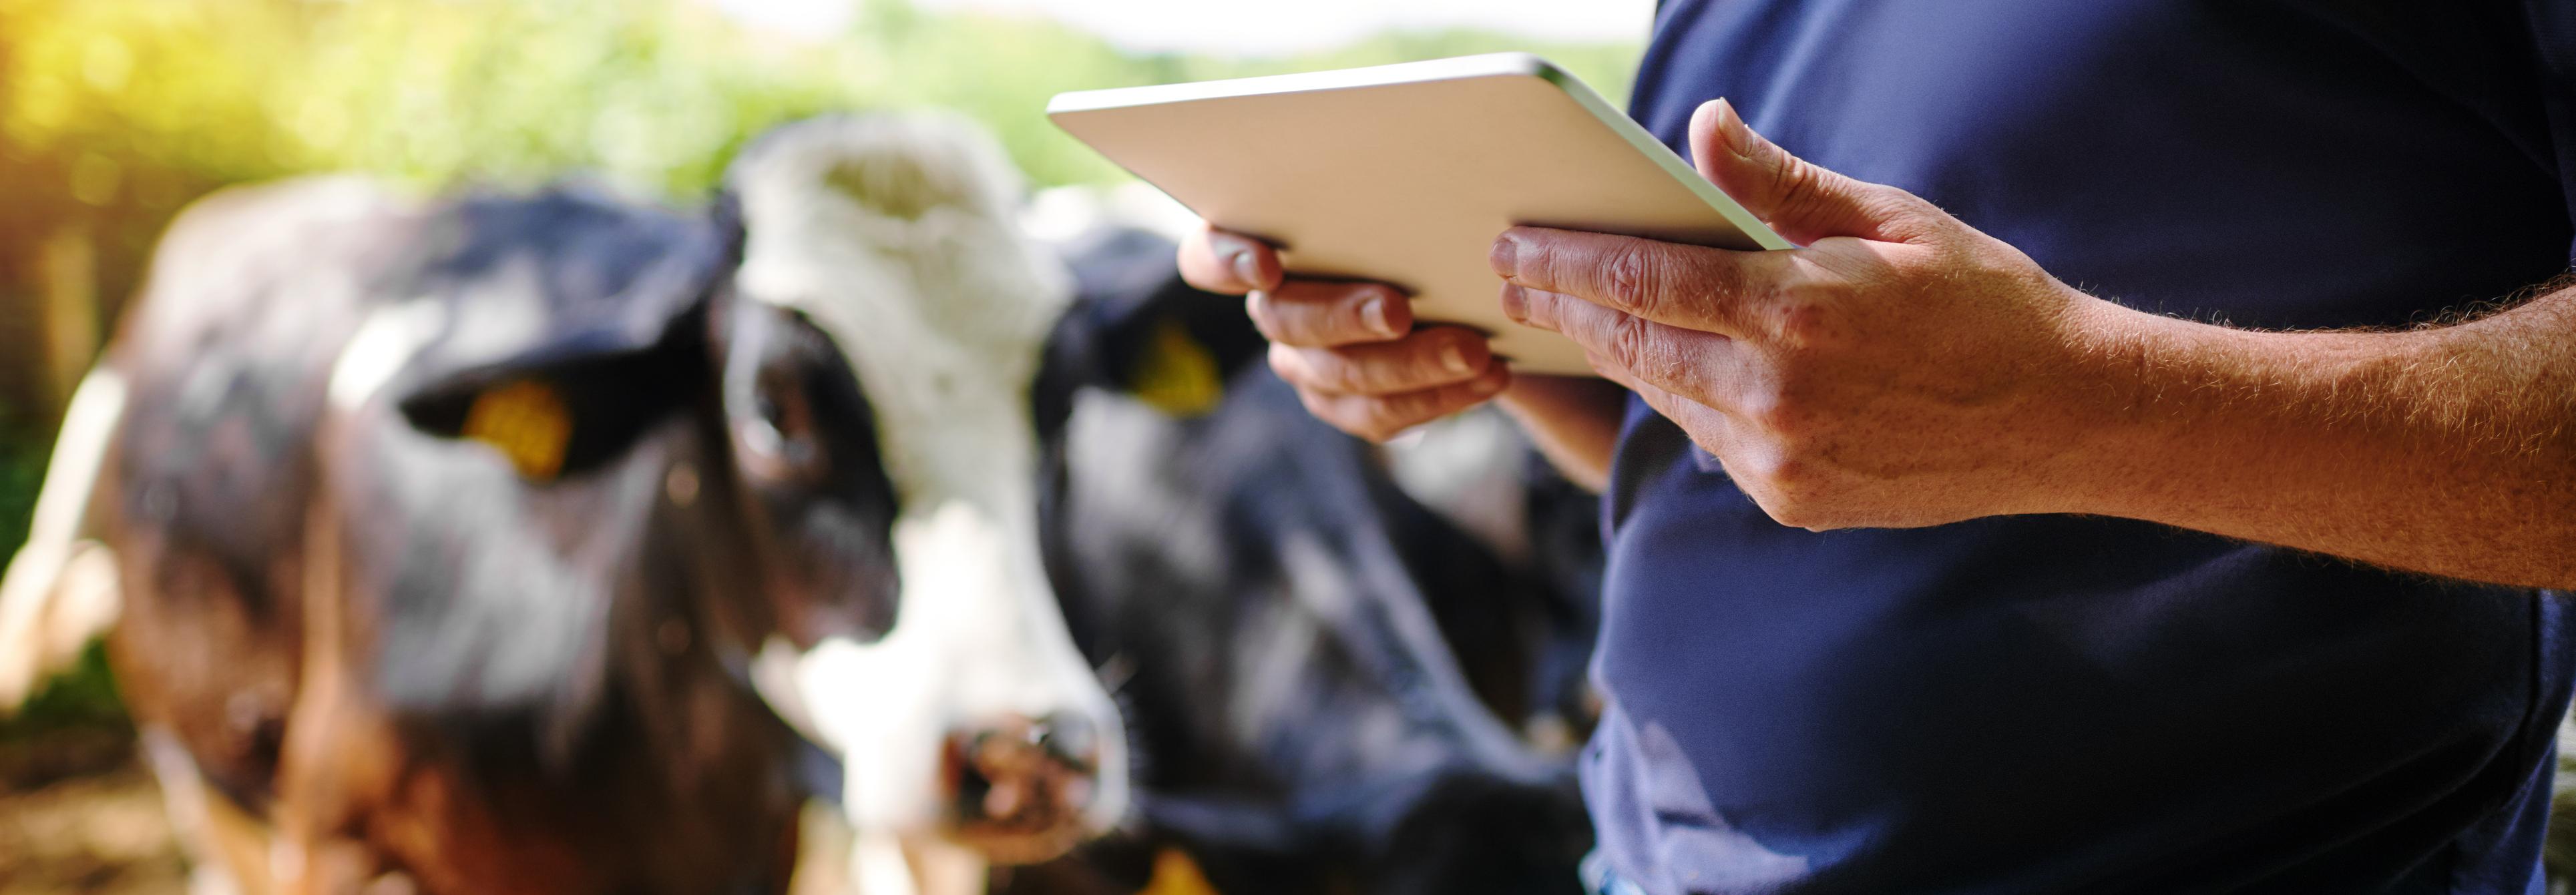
(781, 432)
(765, 402)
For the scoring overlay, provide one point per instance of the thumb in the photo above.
(1801, 200)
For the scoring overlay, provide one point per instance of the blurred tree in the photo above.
(113, 113)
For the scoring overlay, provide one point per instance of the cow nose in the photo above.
(1021, 784)
(1070, 739)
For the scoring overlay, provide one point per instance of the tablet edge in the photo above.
(1664, 157)
(1450, 68)
(1455, 67)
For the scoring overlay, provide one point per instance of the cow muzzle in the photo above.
(1020, 786)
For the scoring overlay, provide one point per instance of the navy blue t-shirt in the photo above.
(2062, 704)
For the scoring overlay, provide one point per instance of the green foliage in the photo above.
(83, 697)
(653, 95)
(114, 113)
(21, 466)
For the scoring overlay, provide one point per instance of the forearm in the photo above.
(1573, 421)
(2450, 451)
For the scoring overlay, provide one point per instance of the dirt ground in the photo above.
(79, 814)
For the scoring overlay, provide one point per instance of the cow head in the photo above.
(596, 345)
(975, 717)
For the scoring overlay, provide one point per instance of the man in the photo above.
(1933, 571)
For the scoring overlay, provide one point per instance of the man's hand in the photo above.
(1349, 348)
(1902, 369)
(1905, 369)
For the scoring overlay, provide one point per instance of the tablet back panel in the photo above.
(1406, 173)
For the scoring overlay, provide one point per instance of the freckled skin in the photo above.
(1903, 369)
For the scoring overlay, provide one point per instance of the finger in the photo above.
(1329, 313)
(1800, 199)
(1433, 357)
(1380, 417)
(1708, 427)
(1231, 263)
(1682, 285)
(1691, 415)
(1687, 361)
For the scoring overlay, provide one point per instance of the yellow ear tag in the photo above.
(1176, 874)
(527, 421)
(1176, 374)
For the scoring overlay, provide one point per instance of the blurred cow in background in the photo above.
(1347, 669)
(439, 539)
(453, 540)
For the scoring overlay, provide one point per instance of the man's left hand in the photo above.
(1901, 369)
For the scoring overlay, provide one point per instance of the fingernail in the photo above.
(1247, 267)
(1373, 313)
(1730, 124)
(1515, 303)
(1506, 256)
(1454, 359)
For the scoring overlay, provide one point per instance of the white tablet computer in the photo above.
(1406, 173)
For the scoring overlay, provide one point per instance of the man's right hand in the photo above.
(1350, 348)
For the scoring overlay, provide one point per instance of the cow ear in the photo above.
(562, 411)
(624, 342)
(1136, 328)
(1173, 371)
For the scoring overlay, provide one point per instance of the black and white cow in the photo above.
(438, 537)
(911, 261)
(1317, 666)
(452, 539)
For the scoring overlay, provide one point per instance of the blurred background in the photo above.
(114, 114)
